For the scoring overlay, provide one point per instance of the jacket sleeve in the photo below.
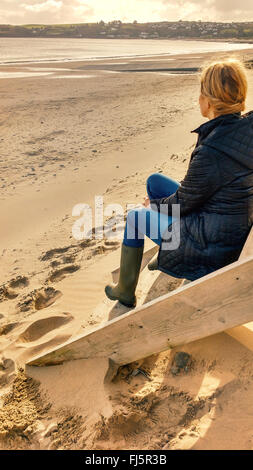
(201, 181)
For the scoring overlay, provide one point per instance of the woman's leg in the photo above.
(159, 185)
(140, 222)
(145, 221)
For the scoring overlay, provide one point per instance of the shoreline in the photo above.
(222, 40)
(101, 62)
(130, 56)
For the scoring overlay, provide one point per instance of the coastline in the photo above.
(65, 140)
(112, 42)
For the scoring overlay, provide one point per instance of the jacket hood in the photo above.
(231, 134)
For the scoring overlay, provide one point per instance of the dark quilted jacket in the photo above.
(215, 197)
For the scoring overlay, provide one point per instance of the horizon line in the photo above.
(128, 22)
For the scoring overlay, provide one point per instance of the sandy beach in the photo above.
(70, 132)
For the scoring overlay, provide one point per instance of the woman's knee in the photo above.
(152, 181)
(159, 185)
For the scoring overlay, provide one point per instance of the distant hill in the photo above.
(117, 29)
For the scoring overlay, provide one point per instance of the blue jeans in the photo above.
(145, 221)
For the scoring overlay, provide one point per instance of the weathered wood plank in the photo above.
(214, 303)
(243, 333)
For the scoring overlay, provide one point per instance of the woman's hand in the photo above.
(146, 202)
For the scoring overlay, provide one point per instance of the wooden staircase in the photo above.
(219, 301)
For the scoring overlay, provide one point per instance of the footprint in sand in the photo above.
(99, 250)
(68, 255)
(38, 299)
(41, 327)
(7, 370)
(7, 294)
(69, 259)
(87, 243)
(62, 256)
(55, 263)
(111, 245)
(63, 260)
(134, 417)
(7, 328)
(60, 274)
(8, 291)
(19, 282)
(55, 252)
(105, 246)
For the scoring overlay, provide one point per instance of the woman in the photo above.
(215, 197)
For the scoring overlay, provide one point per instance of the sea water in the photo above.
(29, 50)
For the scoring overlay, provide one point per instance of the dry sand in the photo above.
(63, 141)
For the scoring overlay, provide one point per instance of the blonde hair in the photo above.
(225, 84)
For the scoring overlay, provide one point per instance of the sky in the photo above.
(84, 11)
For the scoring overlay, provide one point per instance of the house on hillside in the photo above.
(143, 35)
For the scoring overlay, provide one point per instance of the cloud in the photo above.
(49, 5)
(228, 6)
(45, 11)
(78, 11)
(214, 10)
